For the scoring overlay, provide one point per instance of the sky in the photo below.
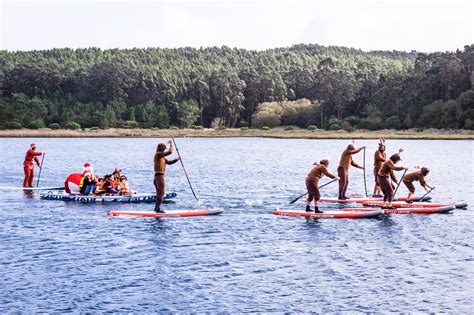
(420, 25)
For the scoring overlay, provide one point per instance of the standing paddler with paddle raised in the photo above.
(312, 184)
(28, 165)
(343, 169)
(384, 175)
(160, 163)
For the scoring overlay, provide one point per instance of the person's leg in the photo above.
(309, 188)
(317, 196)
(377, 185)
(160, 190)
(346, 183)
(383, 181)
(26, 169)
(32, 175)
(411, 191)
(340, 173)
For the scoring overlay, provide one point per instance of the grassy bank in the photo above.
(274, 133)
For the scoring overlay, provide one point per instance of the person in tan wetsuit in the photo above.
(379, 157)
(416, 176)
(343, 169)
(312, 184)
(384, 175)
(160, 163)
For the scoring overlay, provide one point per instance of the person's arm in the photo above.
(169, 162)
(394, 178)
(379, 157)
(356, 165)
(356, 150)
(37, 161)
(424, 184)
(399, 168)
(326, 172)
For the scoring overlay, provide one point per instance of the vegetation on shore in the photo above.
(286, 133)
(330, 87)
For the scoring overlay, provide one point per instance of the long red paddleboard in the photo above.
(406, 210)
(399, 204)
(360, 199)
(331, 214)
(170, 213)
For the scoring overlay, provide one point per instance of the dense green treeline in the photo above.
(331, 87)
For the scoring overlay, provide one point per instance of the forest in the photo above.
(221, 87)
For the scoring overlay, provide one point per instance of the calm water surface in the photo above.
(66, 257)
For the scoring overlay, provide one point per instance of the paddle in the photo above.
(421, 198)
(41, 168)
(399, 184)
(184, 170)
(365, 181)
(297, 198)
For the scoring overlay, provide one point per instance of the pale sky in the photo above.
(421, 25)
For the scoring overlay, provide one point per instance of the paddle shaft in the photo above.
(365, 181)
(41, 168)
(421, 198)
(297, 198)
(184, 170)
(401, 179)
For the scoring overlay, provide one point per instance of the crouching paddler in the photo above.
(28, 165)
(413, 177)
(312, 184)
(160, 163)
(384, 175)
(343, 169)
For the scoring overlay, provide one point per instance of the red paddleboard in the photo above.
(331, 214)
(170, 213)
(406, 210)
(350, 199)
(399, 204)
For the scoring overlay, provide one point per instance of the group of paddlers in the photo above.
(383, 171)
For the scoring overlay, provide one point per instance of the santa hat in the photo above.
(87, 164)
(33, 145)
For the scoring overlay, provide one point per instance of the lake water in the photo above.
(67, 257)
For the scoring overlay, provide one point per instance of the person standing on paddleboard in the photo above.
(160, 163)
(312, 184)
(379, 157)
(343, 169)
(416, 176)
(28, 165)
(384, 175)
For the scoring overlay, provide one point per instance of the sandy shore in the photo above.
(211, 133)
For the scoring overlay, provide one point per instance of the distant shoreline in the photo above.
(280, 133)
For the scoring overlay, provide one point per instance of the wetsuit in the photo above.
(160, 163)
(312, 181)
(343, 170)
(412, 177)
(384, 175)
(29, 168)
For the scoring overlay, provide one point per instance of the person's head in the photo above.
(123, 179)
(381, 147)
(395, 158)
(100, 180)
(33, 146)
(425, 171)
(324, 162)
(161, 147)
(350, 147)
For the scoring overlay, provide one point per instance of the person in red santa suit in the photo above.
(88, 179)
(28, 166)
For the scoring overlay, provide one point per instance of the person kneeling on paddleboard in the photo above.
(416, 176)
(384, 175)
(312, 184)
(160, 163)
(343, 169)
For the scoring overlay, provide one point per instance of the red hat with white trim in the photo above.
(87, 164)
(33, 145)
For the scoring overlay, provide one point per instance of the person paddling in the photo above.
(379, 157)
(312, 184)
(343, 169)
(384, 175)
(160, 163)
(416, 176)
(28, 165)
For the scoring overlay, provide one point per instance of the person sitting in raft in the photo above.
(116, 175)
(99, 187)
(88, 180)
(109, 185)
(124, 187)
(384, 175)
(312, 184)
(379, 157)
(420, 175)
(160, 163)
(343, 169)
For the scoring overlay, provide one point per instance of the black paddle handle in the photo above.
(184, 170)
(297, 198)
(421, 198)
